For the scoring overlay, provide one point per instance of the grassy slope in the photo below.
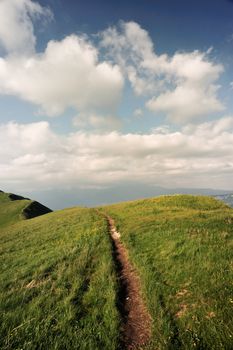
(57, 283)
(11, 211)
(182, 248)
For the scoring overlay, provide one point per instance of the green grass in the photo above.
(182, 248)
(11, 211)
(58, 287)
(57, 283)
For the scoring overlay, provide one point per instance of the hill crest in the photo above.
(14, 208)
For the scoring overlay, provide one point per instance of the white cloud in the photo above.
(33, 156)
(128, 47)
(67, 74)
(71, 73)
(183, 86)
(186, 102)
(16, 27)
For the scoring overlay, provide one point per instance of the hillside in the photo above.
(62, 285)
(14, 208)
(57, 283)
(181, 247)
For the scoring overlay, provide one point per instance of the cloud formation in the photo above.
(16, 26)
(67, 74)
(33, 156)
(89, 78)
(70, 73)
(183, 86)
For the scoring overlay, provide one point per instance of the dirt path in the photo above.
(136, 321)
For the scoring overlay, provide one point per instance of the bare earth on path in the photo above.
(136, 320)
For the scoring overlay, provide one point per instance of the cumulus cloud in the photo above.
(186, 102)
(16, 27)
(183, 86)
(76, 73)
(67, 74)
(70, 73)
(33, 156)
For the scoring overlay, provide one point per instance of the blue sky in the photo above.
(178, 24)
(95, 95)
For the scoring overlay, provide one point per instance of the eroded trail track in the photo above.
(136, 320)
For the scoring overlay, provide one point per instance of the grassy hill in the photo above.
(182, 248)
(57, 283)
(59, 287)
(14, 208)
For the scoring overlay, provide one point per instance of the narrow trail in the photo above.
(136, 320)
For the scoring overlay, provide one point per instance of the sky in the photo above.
(104, 100)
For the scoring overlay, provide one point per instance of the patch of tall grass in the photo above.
(57, 283)
(182, 247)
